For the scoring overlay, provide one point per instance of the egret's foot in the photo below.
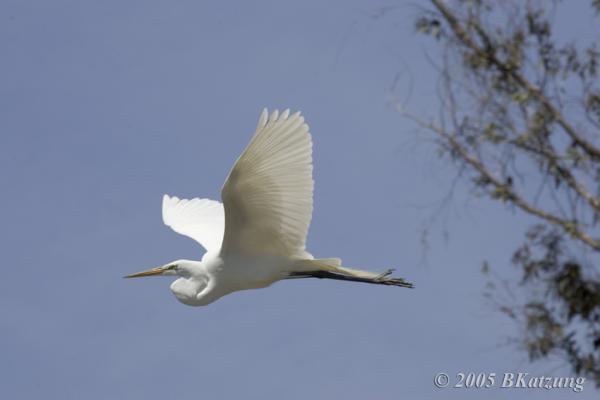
(384, 274)
(396, 282)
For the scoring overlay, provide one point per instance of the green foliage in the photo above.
(522, 103)
(571, 297)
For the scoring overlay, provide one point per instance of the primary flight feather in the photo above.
(257, 236)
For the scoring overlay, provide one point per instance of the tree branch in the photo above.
(533, 91)
(508, 193)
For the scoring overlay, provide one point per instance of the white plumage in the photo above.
(268, 194)
(258, 235)
(200, 219)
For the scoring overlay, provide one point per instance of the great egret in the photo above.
(257, 235)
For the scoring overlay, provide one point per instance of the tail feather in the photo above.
(334, 262)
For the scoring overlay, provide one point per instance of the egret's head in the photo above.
(192, 280)
(179, 268)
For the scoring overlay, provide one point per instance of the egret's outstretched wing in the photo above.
(268, 194)
(200, 219)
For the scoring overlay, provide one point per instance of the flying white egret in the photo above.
(257, 236)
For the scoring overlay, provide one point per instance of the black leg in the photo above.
(380, 280)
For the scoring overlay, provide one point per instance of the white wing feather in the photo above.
(200, 219)
(268, 194)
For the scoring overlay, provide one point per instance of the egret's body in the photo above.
(257, 236)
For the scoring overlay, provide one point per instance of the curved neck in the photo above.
(196, 286)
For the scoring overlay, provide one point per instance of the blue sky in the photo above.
(105, 106)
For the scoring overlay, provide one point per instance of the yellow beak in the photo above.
(150, 272)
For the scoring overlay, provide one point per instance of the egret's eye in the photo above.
(172, 267)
